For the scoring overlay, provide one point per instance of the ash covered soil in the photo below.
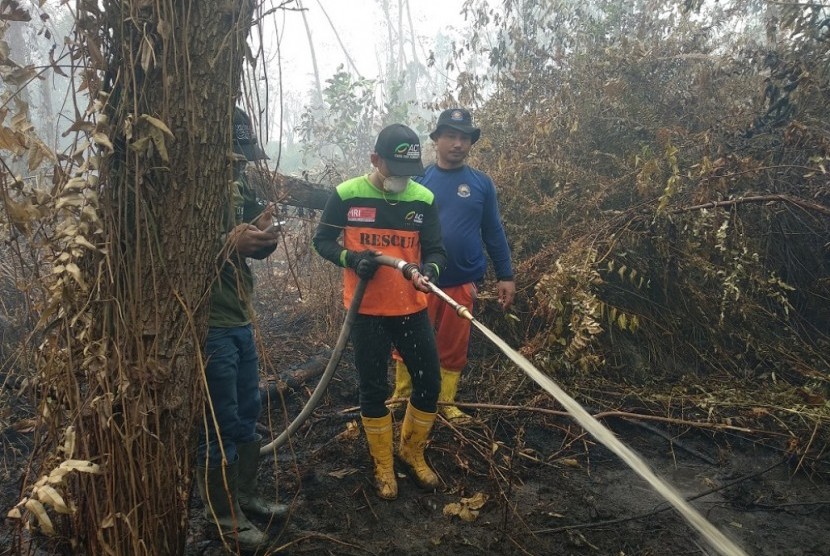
(547, 487)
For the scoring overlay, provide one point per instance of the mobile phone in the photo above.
(274, 225)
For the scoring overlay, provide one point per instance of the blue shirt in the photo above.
(469, 213)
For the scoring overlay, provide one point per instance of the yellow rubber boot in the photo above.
(403, 383)
(379, 437)
(449, 388)
(414, 433)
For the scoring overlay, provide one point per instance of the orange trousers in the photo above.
(452, 333)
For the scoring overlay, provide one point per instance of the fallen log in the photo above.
(272, 390)
(288, 190)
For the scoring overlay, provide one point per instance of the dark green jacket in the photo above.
(232, 291)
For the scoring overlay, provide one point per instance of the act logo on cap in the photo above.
(408, 151)
(457, 115)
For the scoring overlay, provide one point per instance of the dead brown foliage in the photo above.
(667, 200)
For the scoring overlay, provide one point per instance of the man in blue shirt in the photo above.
(470, 223)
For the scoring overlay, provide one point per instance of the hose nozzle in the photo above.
(409, 270)
(463, 312)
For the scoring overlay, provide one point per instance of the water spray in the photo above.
(712, 534)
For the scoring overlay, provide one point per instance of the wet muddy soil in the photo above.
(547, 489)
(527, 482)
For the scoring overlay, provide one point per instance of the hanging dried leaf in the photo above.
(158, 140)
(20, 121)
(57, 475)
(165, 30)
(147, 54)
(95, 53)
(153, 139)
(141, 145)
(12, 141)
(81, 465)
(76, 200)
(75, 272)
(81, 241)
(38, 152)
(21, 214)
(102, 140)
(21, 76)
(69, 441)
(49, 496)
(155, 122)
(79, 125)
(37, 510)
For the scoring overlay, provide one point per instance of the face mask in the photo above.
(395, 184)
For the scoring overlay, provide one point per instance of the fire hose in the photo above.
(407, 270)
(713, 536)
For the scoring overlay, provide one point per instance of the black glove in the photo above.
(429, 271)
(363, 263)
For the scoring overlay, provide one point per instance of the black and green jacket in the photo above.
(403, 225)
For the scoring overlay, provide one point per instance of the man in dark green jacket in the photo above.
(228, 451)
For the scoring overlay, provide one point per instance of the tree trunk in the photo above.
(339, 40)
(125, 364)
(391, 68)
(317, 82)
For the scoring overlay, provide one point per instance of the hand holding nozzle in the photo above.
(267, 220)
(274, 226)
(409, 269)
(248, 240)
(422, 278)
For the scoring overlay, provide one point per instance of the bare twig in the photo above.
(601, 415)
(807, 205)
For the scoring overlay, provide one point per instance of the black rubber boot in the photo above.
(249, 499)
(219, 490)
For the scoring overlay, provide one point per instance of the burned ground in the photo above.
(546, 487)
(549, 488)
